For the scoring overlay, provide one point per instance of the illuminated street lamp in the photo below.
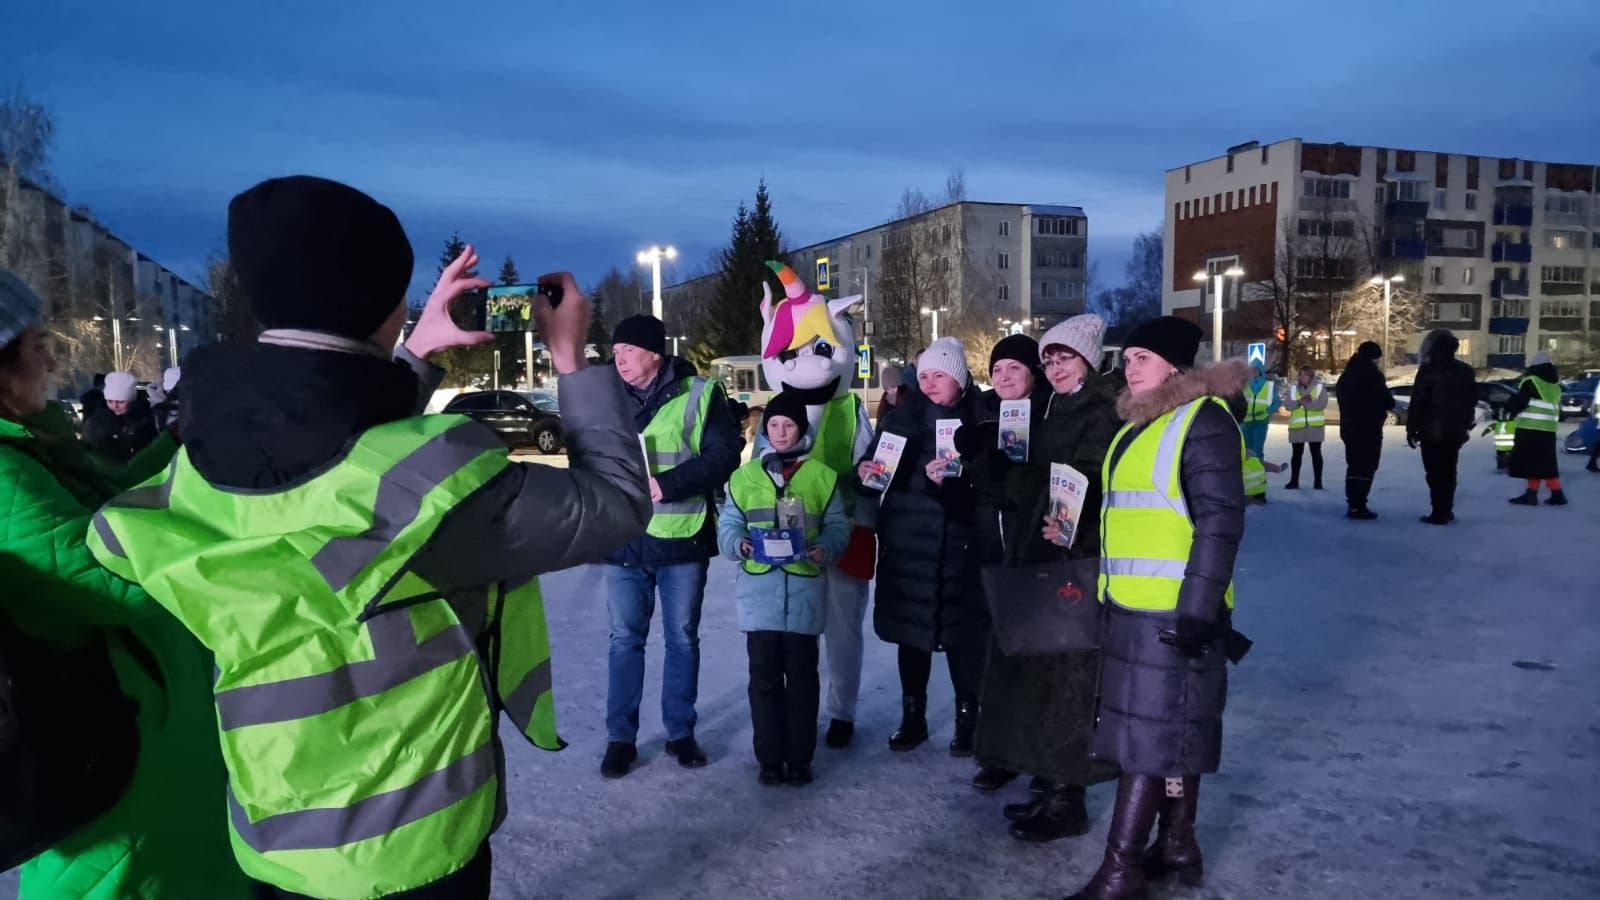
(116, 336)
(653, 258)
(1233, 272)
(1386, 282)
(934, 312)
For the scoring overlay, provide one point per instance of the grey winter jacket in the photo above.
(1160, 711)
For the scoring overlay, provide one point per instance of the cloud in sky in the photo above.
(571, 133)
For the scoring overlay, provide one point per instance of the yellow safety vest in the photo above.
(1259, 402)
(1145, 530)
(754, 492)
(671, 439)
(1255, 477)
(1543, 413)
(1304, 417)
(357, 706)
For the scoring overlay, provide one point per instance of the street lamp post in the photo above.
(1387, 281)
(934, 312)
(1216, 308)
(652, 258)
(116, 337)
(675, 339)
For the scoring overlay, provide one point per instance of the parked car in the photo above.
(1496, 393)
(521, 418)
(1577, 397)
(1402, 404)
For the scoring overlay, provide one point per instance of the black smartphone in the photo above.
(506, 307)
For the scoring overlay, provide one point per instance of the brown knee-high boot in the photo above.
(1121, 873)
(1175, 850)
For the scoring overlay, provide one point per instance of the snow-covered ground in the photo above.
(1418, 719)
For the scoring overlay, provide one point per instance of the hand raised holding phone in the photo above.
(565, 326)
(435, 329)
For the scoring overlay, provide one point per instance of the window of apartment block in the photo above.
(1185, 174)
(1338, 188)
(1405, 160)
(1509, 343)
(944, 234)
(1326, 228)
(1075, 261)
(1230, 162)
(1472, 175)
(1466, 275)
(1252, 195)
(1464, 347)
(1229, 201)
(1439, 199)
(1561, 274)
(1206, 201)
(1005, 261)
(1436, 275)
(1557, 239)
(1507, 169)
(1005, 292)
(1561, 308)
(1565, 204)
(1060, 227)
(1515, 309)
(1047, 289)
(1005, 228)
(1409, 191)
(1472, 200)
(1263, 156)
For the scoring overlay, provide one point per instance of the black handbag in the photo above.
(1044, 609)
(69, 740)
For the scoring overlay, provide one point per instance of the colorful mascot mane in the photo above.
(808, 343)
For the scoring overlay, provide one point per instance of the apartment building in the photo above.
(1506, 252)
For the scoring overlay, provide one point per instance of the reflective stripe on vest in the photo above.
(357, 722)
(1146, 532)
(1544, 412)
(671, 439)
(754, 492)
(1259, 402)
(1305, 417)
(1505, 435)
(1255, 477)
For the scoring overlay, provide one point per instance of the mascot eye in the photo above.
(823, 349)
(787, 355)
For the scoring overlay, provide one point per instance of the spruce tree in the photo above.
(733, 317)
(509, 273)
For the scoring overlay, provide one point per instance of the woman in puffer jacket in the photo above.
(1171, 522)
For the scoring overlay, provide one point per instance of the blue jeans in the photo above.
(630, 599)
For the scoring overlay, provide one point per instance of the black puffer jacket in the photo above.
(1364, 400)
(1161, 711)
(120, 438)
(1444, 399)
(928, 594)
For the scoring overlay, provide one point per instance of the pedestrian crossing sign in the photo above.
(1257, 354)
(864, 361)
(824, 273)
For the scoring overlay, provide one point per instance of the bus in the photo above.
(743, 380)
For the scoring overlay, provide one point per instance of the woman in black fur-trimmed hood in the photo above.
(1171, 522)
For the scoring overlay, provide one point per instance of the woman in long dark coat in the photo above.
(928, 595)
(1036, 714)
(1171, 523)
(1537, 407)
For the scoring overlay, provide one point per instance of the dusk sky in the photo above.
(572, 134)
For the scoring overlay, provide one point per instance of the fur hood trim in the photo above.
(1224, 379)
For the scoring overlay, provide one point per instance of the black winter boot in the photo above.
(1557, 498)
(1175, 850)
(839, 733)
(966, 729)
(1361, 513)
(1121, 873)
(913, 728)
(1061, 814)
(992, 778)
(1038, 789)
(1528, 498)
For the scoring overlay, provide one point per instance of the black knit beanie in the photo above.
(644, 332)
(1370, 350)
(1169, 337)
(318, 255)
(789, 405)
(1017, 347)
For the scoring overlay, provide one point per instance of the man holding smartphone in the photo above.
(367, 577)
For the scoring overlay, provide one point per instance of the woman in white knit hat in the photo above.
(1038, 711)
(126, 425)
(928, 595)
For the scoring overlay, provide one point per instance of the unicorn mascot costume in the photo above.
(808, 348)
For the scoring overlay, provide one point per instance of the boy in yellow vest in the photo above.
(781, 584)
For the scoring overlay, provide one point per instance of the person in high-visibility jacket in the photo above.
(1307, 403)
(1171, 522)
(783, 606)
(1504, 429)
(1261, 403)
(692, 445)
(365, 577)
(1537, 407)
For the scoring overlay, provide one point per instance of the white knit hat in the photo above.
(1542, 358)
(948, 356)
(169, 378)
(20, 307)
(1080, 334)
(121, 386)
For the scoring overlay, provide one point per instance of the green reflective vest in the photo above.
(357, 705)
(1304, 417)
(756, 496)
(836, 439)
(1505, 435)
(1145, 530)
(671, 439)
(1259, 402)
(1544, 412)
(1255, 477)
